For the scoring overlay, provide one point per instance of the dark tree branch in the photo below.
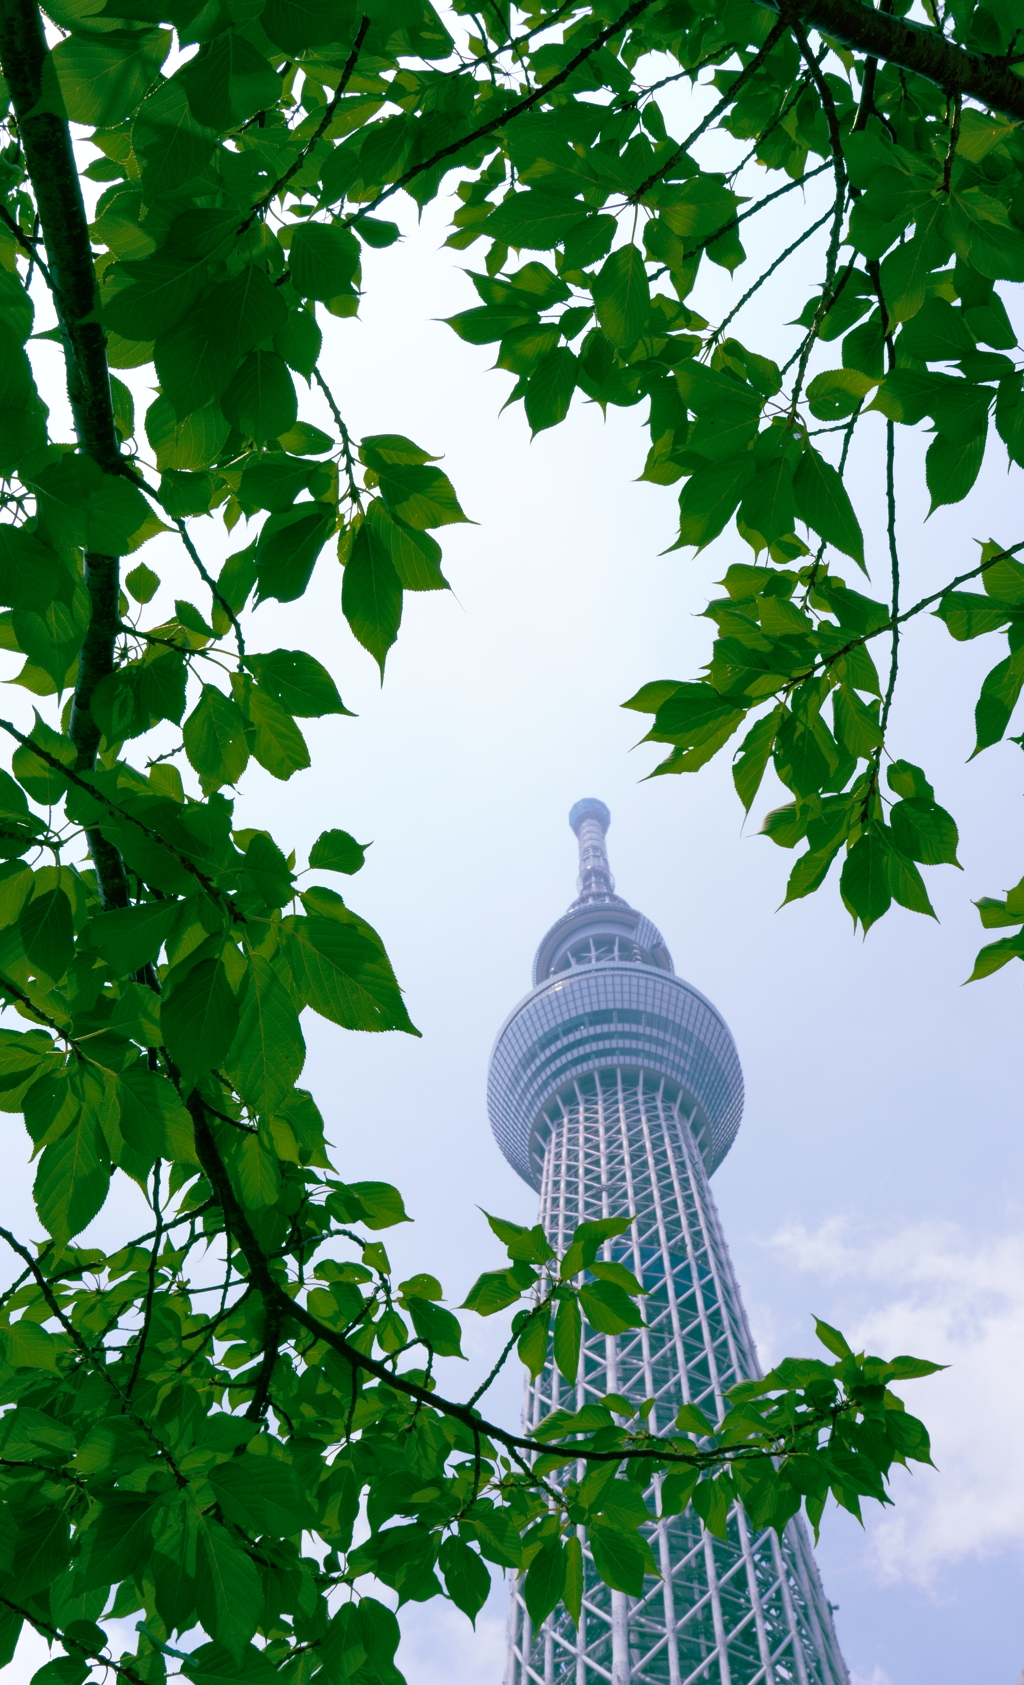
(321, 128)
(275, 1299)
(50, 161)
(915, 47)
(119, 812)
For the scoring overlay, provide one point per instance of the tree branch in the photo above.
(512, 111)
(914, 47)
(324, 123)
(276, 1299)
(50, 161)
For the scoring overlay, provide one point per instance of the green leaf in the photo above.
(622, 296)
(377, 1204)
(44, 783)
(753, 755)
(28, 1346)
(534, 218)
(277, 744)
(924, 831)
(999, 696)
(187, 442)
(608, 1308)
(215, 740)
(836, 393)
(466, 1579)
(864, 884)
(268, 1051)
(371, 595)
(712, 1499)
(437, 1326)
(297, 681)
(492, 1292)
(336, 851)
(303, 439)
(117, 1540)
(323, 259)
(572, 1591)
(967, 614)
(677, 1490)
(805, 754)
(196, 359)
(831, 1338)
(549, 390)
(152, 1118)
(415, 556)
(419, 495)
(996, 955)
(102, 78)
(199, 1017)
(907, 884)
(621, 1559)
(228, 81)
(532, 1345)
(262, 1495)
(567, 1339)
(620, 1275)
(544, 1581)
(143, 583)
(586, 1241)
(346, 977)
(260, 400)
(228, 1589)
(709, 499)
(858, 728)
(72, 1180)
(48, 933)
(908, 780)
(951, 468)
(823, 502)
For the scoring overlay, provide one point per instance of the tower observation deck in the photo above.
(615, 1087)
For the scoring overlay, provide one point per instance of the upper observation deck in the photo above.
(606, 995)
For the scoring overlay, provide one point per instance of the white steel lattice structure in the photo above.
(615, 1087)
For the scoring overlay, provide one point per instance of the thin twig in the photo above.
(122, 813)
(147, 1315)
(727, 98)
(95, 1361)
(71, 1643)
(894, 562)
(769, 272)
(516, 110)
(322, 126)
(27, 245)
(346, 442)
(839, 165)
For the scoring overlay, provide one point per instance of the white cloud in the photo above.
(931, 1291)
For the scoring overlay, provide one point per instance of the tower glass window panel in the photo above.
(615, 1088)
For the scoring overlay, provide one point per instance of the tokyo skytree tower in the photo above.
(615, 1088)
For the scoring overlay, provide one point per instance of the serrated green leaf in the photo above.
(268, 1051)
(199, 1017)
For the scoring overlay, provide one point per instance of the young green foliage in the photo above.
(207, 1464)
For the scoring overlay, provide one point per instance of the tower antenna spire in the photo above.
(590, 820)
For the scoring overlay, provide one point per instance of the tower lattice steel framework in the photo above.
(615, 1087)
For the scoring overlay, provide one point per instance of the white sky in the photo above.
(877, 1178)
